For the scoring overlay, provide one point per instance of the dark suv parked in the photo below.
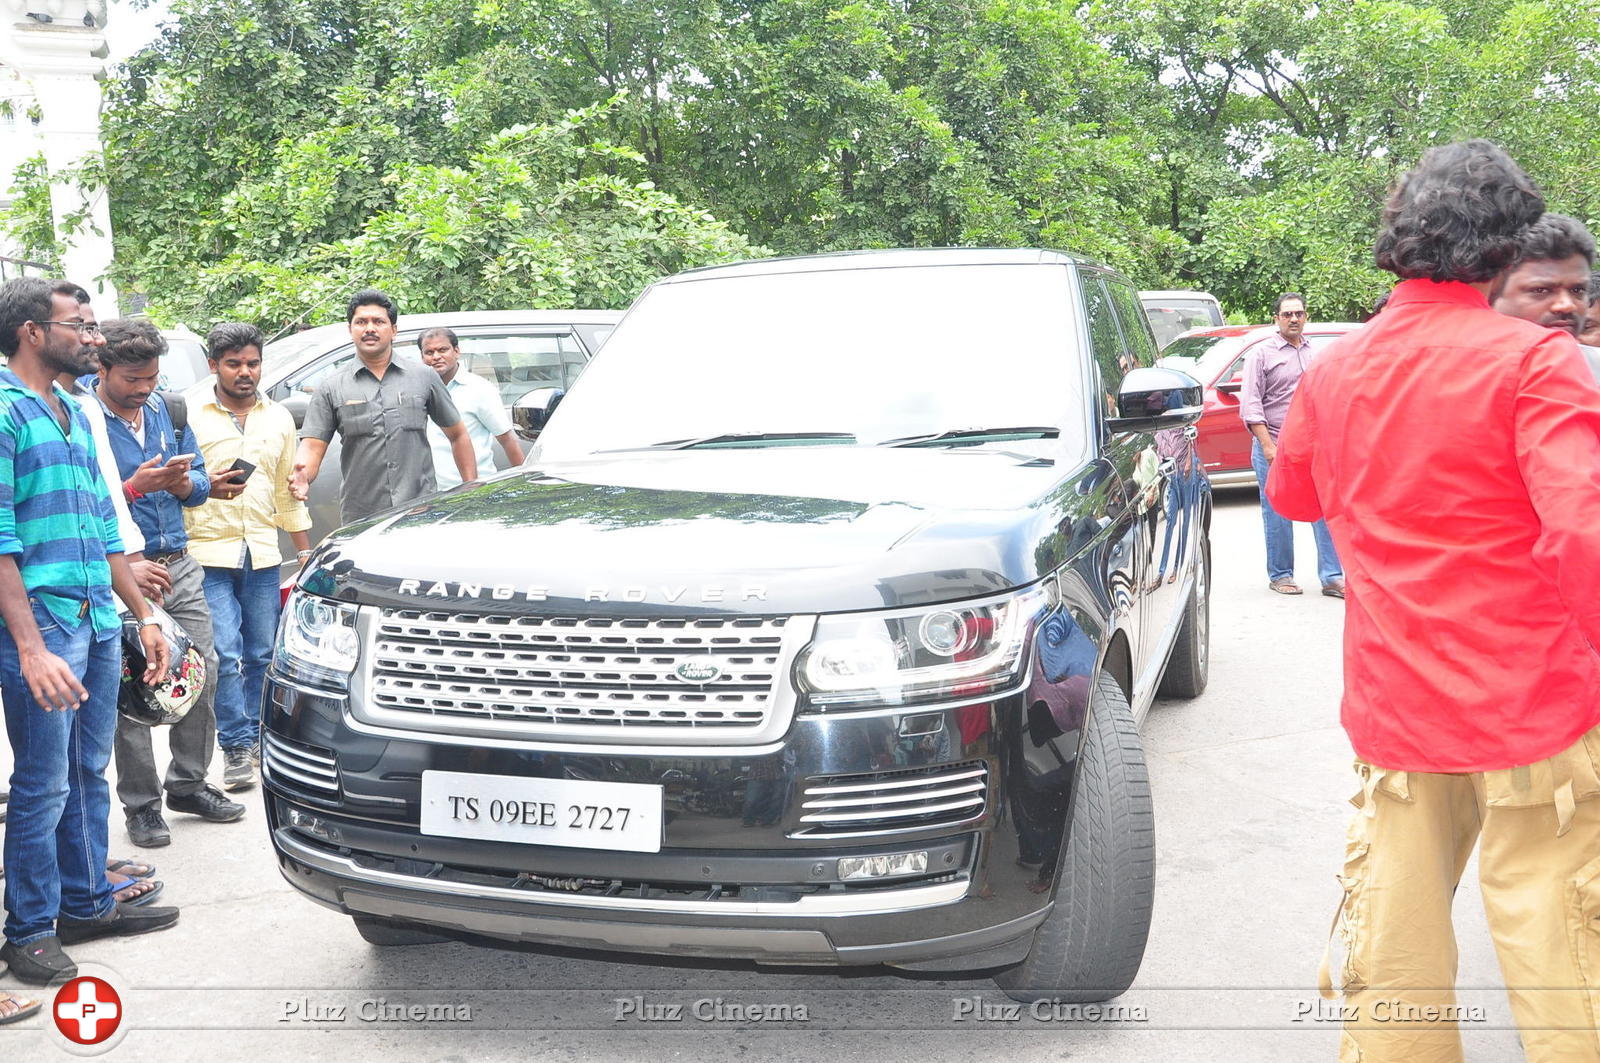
(815, 629)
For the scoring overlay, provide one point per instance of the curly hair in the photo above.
(1555, 237)
(130, 341)
(1457, 215)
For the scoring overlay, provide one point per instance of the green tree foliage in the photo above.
(263, 158)
(1316, 109)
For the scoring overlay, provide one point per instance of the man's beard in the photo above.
(76, 360)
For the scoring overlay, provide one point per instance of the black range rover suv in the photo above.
(814, 630)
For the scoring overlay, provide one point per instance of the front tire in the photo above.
(1090, 946)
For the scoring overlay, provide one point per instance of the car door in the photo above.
(1131, 456)
(294, 393)
(1166, 505)
(517, 362)
(1227, 440)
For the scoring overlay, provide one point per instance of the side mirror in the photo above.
(296, 403)
(532, 411)
(1231, 387)
(1153, 399)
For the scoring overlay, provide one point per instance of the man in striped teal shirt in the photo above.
(60, 559)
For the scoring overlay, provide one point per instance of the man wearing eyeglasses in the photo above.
(61, 561)
(1272, 371)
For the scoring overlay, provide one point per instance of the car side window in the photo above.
(1105, 340)
(306, 381)
(1235, 373)
(519, 363)
(1135, 325)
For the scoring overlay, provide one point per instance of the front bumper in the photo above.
(738, 875)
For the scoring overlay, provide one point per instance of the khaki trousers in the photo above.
(1539, 868)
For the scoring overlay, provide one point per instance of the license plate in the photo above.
(571, 812)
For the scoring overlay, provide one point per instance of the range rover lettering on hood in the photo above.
(505, 592)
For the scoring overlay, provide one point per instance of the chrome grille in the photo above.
(605, 679)
(308, 767)
(880, 802)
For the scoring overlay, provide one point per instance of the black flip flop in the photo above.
(120, 866)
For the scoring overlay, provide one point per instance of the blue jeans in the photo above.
(1183, 493)
(1280, 534)
(244, 604)
(55, 849)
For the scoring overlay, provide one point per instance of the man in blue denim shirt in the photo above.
(61, 557)
(162, 472)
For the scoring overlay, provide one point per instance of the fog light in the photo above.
(315, 826)
(859, 867)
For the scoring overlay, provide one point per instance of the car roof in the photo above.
(1252, 331)
(1176, 294)
(1231, 339)
(286, 352)
(885, 259)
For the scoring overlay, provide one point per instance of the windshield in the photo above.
(183, 364)
(1190, 348)
(847, 357)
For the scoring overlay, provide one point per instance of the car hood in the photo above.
(769, 531)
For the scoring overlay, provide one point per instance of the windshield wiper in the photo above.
(734, 439)
(954, 434)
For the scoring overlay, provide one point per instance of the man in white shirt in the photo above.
(482, 411)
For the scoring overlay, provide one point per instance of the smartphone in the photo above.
(241, 466)
(179, 459)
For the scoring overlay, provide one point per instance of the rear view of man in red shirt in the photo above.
(1455, 454)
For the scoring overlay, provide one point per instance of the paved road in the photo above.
(1250, 782)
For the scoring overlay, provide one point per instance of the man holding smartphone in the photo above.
(162, 476)
(249, 442)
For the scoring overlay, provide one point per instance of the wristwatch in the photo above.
(151, 619)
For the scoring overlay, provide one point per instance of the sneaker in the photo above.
(255, 755)
(39, 962)
(147, 829)
(207, 803)
(123, 920)
(239, 770)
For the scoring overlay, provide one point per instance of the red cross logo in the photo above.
(87, 1010)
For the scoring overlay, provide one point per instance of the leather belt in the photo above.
(167, 558)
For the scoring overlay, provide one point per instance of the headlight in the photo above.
(961, 650)
(318, 643)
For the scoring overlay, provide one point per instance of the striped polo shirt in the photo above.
(56, 517)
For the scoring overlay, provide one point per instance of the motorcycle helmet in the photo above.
(169, 700)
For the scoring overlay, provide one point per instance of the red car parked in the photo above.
(1215, 357)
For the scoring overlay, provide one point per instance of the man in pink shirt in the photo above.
(1272, 371)
(1455, 453)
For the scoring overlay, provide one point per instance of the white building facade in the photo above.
(52, 59)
